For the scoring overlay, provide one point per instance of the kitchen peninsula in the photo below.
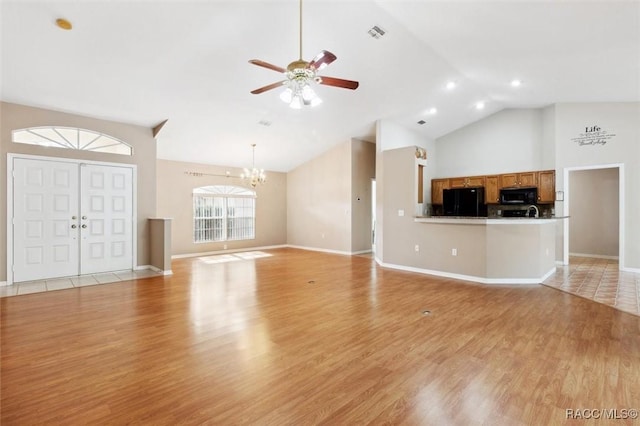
(491, 251)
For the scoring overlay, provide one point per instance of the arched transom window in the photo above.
(71, 138)
(223, 213)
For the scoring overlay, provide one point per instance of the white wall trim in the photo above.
(636, 270)
(621, 216)
(3, 283)
(560, 263)
(595, 256)
(345, 253)
(473, 278)
(154, 269)
(361, 252)
(209, 253)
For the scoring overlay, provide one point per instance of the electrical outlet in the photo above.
(400, 212)
(417, 248)
(224, 247)
(454, 252)
(322, 235)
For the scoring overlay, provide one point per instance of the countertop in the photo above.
(458, 220)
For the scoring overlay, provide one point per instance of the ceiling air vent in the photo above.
(376, 32)
(265, 123)
(421, 122)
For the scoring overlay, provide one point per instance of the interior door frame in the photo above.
(621, 216)
(9, 224)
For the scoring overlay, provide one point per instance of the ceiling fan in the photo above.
(299, 76)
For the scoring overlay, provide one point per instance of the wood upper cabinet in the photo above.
(546, 186)
(544, 180)
(492, 190)
(437, 185)
(463, 182)
(517, 180)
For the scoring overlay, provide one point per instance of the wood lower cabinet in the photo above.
(546, 186)
(437, 185)
(492, 190)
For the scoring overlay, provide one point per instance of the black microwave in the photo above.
(518, 196)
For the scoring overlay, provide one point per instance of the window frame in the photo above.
(216, 199)
(63, 138)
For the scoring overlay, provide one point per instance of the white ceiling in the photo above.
(142, 62)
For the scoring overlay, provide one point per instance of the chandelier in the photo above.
(254, 176)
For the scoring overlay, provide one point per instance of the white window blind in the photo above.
(223, 213)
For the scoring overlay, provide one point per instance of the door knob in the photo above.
(74, 217)
(73, 226)
(84, 226)
(84, 217)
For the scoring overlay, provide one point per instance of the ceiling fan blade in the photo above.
(269, 87)
(322, 59)
(338, 82)
(264, 64)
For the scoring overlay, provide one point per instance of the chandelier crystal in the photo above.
(254, 175)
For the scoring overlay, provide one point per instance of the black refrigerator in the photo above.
(464, 202)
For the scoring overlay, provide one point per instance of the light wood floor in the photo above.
(292, 337)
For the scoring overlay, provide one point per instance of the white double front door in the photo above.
(70, 218)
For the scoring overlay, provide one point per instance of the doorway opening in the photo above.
(373, 216)
(594, 201)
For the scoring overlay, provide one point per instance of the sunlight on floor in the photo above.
(224, 258)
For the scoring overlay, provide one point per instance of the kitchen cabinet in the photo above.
(464, 182)
(518, 180)
(546, 186)
(492, 190)
(437, 185)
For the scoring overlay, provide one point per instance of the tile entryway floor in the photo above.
(71, 282)
(599, 280)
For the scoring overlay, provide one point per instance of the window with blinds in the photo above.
(223, 213)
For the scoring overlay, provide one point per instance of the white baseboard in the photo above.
(160, 271)
(361, 252)
(209, 253)
(595, 256)
(560, 263)
(473, 278)
(3, 283)
(636, 270)
(345, 253)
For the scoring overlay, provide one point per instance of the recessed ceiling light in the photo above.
(480, 105)
(432, 111)
(64, 24)
(451, 85)
(516, 83)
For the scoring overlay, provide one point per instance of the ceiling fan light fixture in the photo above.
(286, 95)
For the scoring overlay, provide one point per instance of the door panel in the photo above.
(106, 218)
(45, 203)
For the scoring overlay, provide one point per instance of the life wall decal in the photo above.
(592, 136)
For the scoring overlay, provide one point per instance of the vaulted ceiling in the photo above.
(142, 62)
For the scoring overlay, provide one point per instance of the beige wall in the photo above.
(363, 170)
(175, 200)
(14, 117)
(619, 119)
(594, 210)
(319, 201)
